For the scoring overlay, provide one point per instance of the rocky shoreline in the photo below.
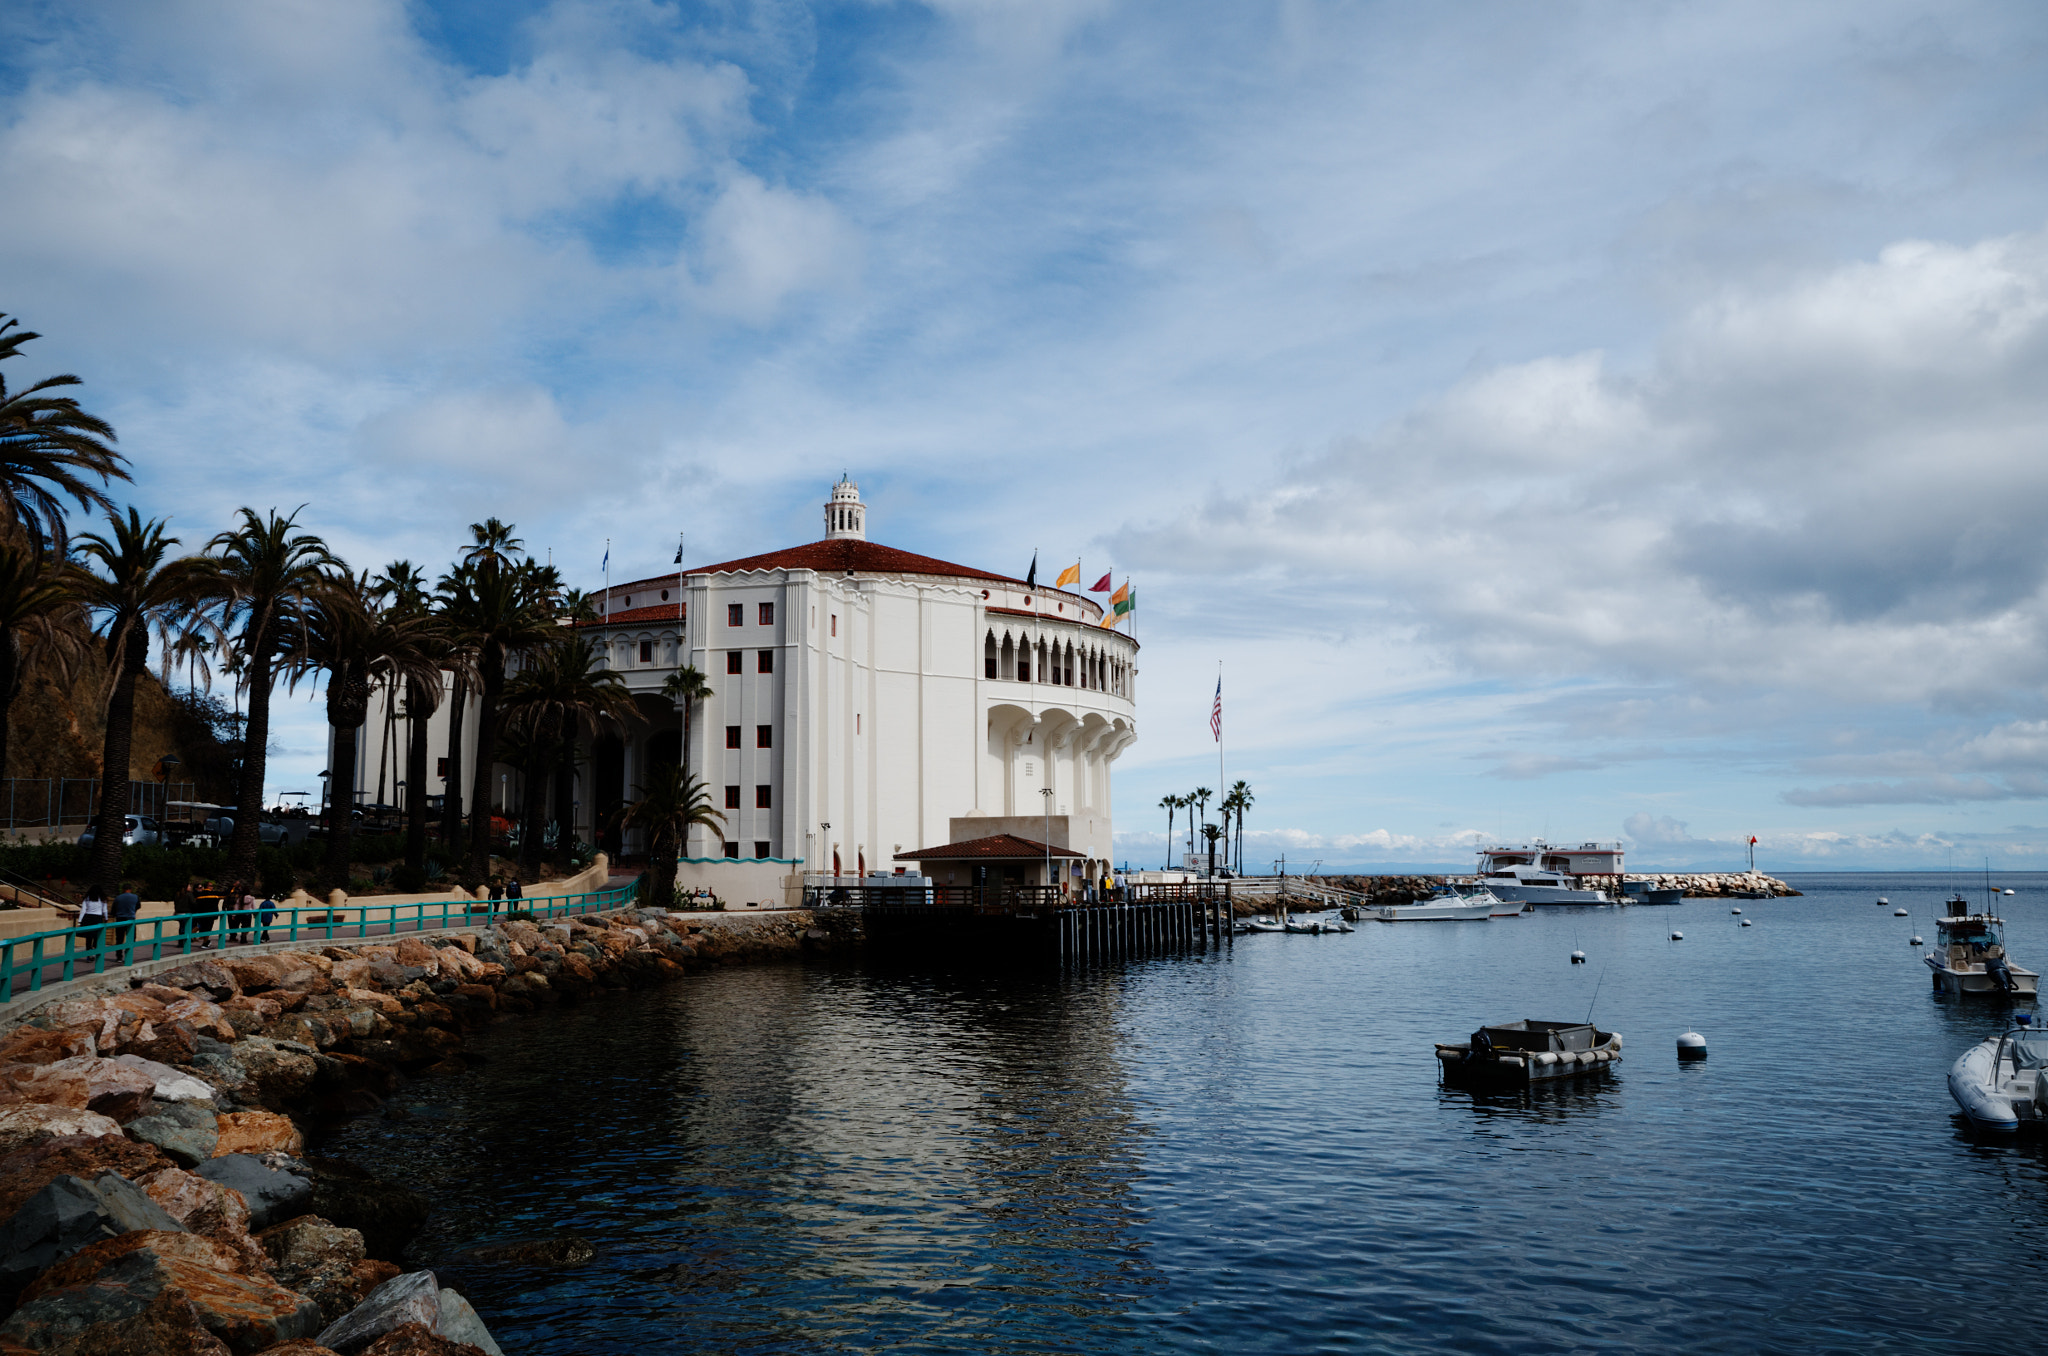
(156, 1196)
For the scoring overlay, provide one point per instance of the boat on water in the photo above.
(1474, 907)
(1644, 892)
(2001, 1083)
(1969, 955)
(1527, 1052)
(1261, 923)
(1315, 924)
(1543, 873)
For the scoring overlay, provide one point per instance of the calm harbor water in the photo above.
(1254, 1154)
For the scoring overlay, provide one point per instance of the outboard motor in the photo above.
(2000, 973)
(1481, 1048)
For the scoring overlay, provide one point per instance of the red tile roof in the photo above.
(1001, 847)
(847, 553)
(628, 615)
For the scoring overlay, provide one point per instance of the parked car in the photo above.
(138, 831)
(221, 827)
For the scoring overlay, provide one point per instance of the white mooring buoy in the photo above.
(1735, 911)
(1578, 958)
(1692, 1045)
(1745, 922)
(1900, 913)
(2008, 892)
(1882, 900)
(1912, 941)
(1677, 936)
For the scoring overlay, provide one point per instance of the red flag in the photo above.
(1101, 585)
(1752, 840)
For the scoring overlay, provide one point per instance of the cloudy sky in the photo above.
(1594, 420)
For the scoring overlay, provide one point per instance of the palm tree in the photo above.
(669, 807)
(498, 606)
(254, 588)
(1198, 801)
(128, 587)
(1242, 799)
(50, 449)
(1210, 833)
(1171, 804)
(402, 589)
(36, 602)
(686, 687)
(360, 645)
(560, 693)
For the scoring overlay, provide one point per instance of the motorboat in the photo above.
(1647, 892)
(1259, 923)
(1450, 907)
(1547, 873)
(1318, 924)
(1527, 1052)
(2001, 1082)
(1969, 955)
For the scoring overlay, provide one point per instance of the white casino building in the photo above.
(865, 702)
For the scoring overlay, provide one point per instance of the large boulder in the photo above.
(273, 1193)
(281, 1071)
(324, 1262)
(85, 1264)
(187, 1131)
(246, 1313)
(67, 1215)
(211, 975)
(34, 1045)
(166, 1042)
(109, 1318)
(172, 1085)
(206, 1207)
(28, 1171)
(104, 1085)
(24, 1125)
(410, 1315)
(258, 1132)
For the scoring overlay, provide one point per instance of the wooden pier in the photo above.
(1035, 924)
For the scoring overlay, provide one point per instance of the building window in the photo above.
(441, 768)
(856, 722)
(735, 614)
(664, 595)
(732, 736)
(629, 600)
(732, 798)
(732, 850)
(767, 614)
(764, 798)
(647, 652)
(764, 662)
(835, 623)
(764, 736)
(733, 662)
(761, 849)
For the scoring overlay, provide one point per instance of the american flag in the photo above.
(1216, 713)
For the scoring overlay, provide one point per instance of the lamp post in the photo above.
(1046, 792)
(825, 844)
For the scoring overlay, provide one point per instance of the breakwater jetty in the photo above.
(1696, 884)
(156, 1193)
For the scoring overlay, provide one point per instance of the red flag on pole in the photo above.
(1752, 840)
(1100, 586)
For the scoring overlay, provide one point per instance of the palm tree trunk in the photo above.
(255, 757)
(10, 685)
(341, 830)
(533, 805)
(565, 798)
(115, 750)
(491, 685)
(415, 776)
(451, 787)
(661, 865)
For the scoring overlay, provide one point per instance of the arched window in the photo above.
(988, 656)
(1067, 666)
(1009, 657)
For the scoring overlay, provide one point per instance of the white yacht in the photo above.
(1545, 873)
(1969, 955)
(1471, 906)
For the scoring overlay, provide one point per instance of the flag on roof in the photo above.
(1100, 586)
(1124, 599)
(1031, 579)
(1070, 575)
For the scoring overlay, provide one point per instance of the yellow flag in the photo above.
(1070, 575)
(1110, 619)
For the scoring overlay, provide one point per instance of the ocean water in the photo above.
(1253, 1152)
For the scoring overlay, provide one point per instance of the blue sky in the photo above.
(1601, 420)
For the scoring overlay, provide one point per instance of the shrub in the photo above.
(380, 847)
(409, 880)
(274, 869)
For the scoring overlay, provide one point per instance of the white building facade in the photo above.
(865, 702)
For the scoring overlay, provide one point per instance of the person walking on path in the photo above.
(497, 894)
(265, 913)
(183, 906)
(513, 890)
(206, 909)
(127, 904)
(92, 915)
(243, 917)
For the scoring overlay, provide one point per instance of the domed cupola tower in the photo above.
(846, 518)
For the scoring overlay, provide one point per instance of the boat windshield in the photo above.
(2029, 1050)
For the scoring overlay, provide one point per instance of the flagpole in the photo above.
(1222, 783)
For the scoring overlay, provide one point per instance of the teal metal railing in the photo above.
(69, 953)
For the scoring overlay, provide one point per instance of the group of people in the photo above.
(98, 912)
(196, 908)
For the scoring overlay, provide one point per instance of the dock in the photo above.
(1036, 924)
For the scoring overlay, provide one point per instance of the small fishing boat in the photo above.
(1648, 892)
(1969, 955)
(1443, 908)
(1246, 926)
(1312, 926)
(2002, 1082)
(1527, 1052)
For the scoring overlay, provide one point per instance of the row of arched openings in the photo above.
(1024, 660)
